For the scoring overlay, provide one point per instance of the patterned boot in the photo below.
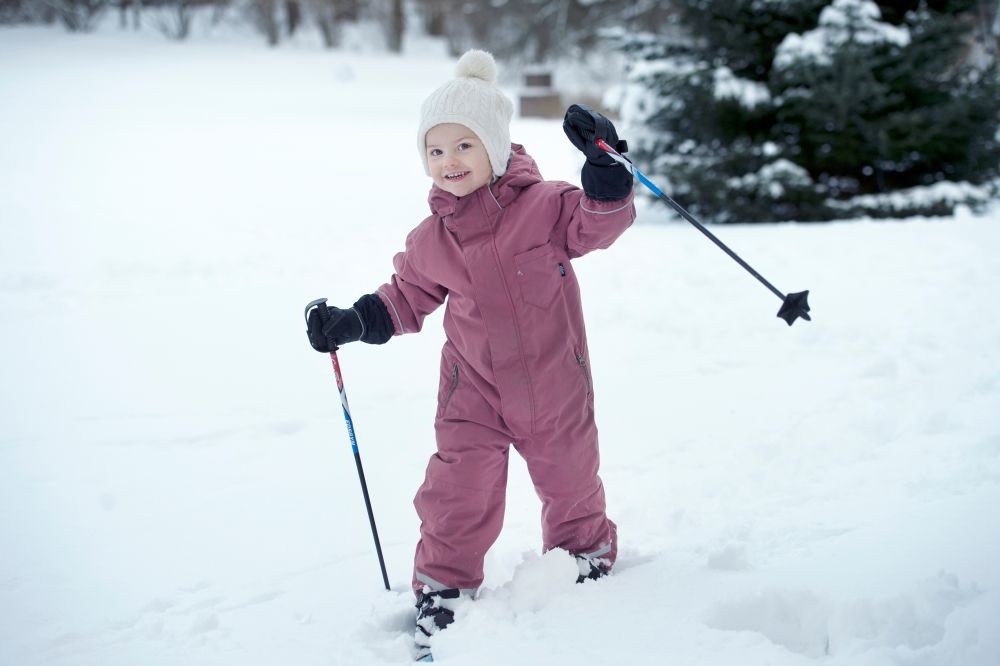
(592, 568)
(435, 611)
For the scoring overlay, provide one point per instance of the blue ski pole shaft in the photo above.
(357, 460)
(687, 216)
(793, 305)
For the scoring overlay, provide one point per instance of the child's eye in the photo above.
(464, 146)
(435, 152)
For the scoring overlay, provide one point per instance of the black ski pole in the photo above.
(324, 315)
(792, 306)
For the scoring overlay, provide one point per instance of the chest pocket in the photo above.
(539, 275)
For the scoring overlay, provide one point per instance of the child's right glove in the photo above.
(329, 327)
(603, 178)
(338, 327)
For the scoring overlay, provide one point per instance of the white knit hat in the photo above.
(474, 100)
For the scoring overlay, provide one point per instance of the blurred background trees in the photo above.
(276, 20)
(746, 110)
(536, 30)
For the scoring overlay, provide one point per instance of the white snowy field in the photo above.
(176, 482)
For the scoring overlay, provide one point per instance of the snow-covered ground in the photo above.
(176, 484)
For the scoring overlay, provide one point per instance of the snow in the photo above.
(772, 178)
(749, 94)
(646, 69)
(636, 100)
(842, 22)
(176, 483)
(915, 198)
(809, 46)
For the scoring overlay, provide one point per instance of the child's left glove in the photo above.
(603, 178)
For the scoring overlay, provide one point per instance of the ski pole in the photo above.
(793, 305)
(325, 315)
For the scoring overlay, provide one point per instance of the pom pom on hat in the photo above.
(471, 99)
(477, 64)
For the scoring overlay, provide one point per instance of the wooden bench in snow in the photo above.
(538, 99)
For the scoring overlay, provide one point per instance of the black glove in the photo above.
(603, 178)
(584, 126)
(329, 327)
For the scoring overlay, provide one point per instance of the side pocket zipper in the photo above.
(582, 362)
(454, 385)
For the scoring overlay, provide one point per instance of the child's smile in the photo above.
(457, 159)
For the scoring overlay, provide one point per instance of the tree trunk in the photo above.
(434, 19)
(325, 14)
(183, 20)
(397, 24)
(345, 10)
(293, 15)
(268, 21)
(326, 29)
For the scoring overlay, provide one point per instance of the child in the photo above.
(498, 247)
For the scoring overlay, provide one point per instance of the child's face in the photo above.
(457, 159)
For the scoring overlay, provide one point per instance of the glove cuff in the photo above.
(606, 183)
(378, 327)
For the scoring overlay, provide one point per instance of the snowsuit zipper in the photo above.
(582, 362)
(454, 385)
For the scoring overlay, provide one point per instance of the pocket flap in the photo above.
(533, 254)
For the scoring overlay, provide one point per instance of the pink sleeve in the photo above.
(592, 224)
(410, 295)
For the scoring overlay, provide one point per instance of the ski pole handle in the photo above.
(612, 153)
(324, 316)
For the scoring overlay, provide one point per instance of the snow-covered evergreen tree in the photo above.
(812, 109)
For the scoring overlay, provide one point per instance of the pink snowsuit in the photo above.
(514, 368)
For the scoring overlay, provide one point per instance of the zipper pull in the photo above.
(562, 270)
